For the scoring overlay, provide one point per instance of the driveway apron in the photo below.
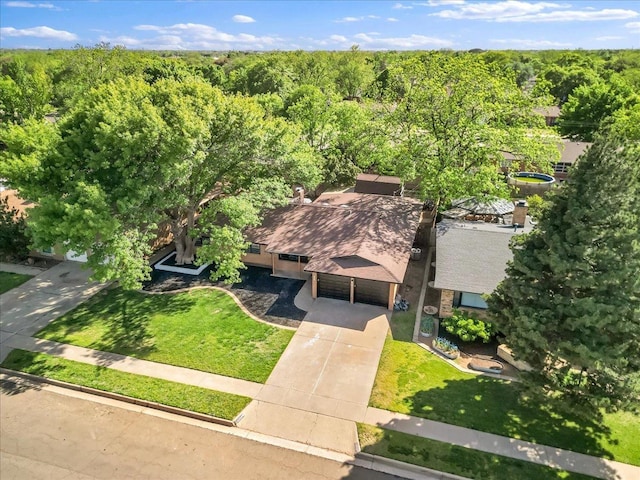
(323, 381)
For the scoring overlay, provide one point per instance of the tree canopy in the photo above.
(570, 303)
(132, 155)
(451, 121)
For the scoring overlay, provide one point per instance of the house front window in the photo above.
(254, 248)
(293, 258)
(472, 300)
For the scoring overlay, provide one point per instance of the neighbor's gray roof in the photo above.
(471, 256)
(571, 151)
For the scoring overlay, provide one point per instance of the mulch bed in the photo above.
(267, 297)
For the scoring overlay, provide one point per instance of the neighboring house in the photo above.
(55, 252)
(471, 259)
(378, 184)
(353, 246)
(570, 152)
(550, 114)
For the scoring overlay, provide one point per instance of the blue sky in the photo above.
(320, 25)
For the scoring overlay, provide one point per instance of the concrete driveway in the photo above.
(331, 362)
(31, 306)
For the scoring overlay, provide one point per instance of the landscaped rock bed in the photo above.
(269, 298)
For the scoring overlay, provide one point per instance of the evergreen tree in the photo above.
(570, 304)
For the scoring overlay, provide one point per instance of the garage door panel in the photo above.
(334, 286)
(372, 292)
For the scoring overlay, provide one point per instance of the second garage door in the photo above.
(334, 286)
(372, 292)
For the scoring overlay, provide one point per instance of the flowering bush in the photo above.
(467, 327)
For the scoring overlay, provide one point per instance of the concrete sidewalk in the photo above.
(505, 446)
(53, 292)
(319, 387)
(330, 431)
(123, 363)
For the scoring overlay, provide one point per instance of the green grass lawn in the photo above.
(413, 381)
(201, 329)
(10, 280)
(449, 458)
(196, 399)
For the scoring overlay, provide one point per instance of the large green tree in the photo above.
(452, 118)
(133, 155)
(24, 93)
(589, 105)
(570, 303)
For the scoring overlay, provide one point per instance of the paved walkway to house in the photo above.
(320, 386)
(51, 293)
(22, 269)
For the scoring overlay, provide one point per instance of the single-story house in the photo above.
(353, 246)
(379, 184)
(550, 114)
(569, 152)
(471, 259)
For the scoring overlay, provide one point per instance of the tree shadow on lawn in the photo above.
(126, 316)
(493, 406)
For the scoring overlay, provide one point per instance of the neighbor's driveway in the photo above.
(331, 362)
(31, 306)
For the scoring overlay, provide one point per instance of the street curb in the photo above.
(394, 466)
(119, 397)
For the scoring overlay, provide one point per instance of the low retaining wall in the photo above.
(506, 354)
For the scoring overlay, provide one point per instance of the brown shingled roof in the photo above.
(350, 234)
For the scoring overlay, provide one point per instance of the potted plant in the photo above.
(446, 348)
(427, 325)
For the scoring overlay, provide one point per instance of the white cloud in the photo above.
(338, 38)
(392, 19)
(576, 16)
(633, 26)
(400, 6)
(38, 32)
(349, 19)
(606, 38)
(517, 42)
(242, 19)
(438, 3)
(356, 19)
(29, 5)
(413, 41)
(519, 11)
(195, 36)
(496, 10)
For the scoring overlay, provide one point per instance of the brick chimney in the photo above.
(520, 213)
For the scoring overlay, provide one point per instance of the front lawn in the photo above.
(188, 397)
(413, 381)
(201, 329)
(10, 280)
(449, 458)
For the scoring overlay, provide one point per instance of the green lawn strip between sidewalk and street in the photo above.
(201, 329)
(188, 397)
(413, 381)
(453, 459)
(10, 280)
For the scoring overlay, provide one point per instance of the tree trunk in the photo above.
(185, 245)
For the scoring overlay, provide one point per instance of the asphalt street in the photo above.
(46, 433)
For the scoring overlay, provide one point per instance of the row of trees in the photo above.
(142, 143)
